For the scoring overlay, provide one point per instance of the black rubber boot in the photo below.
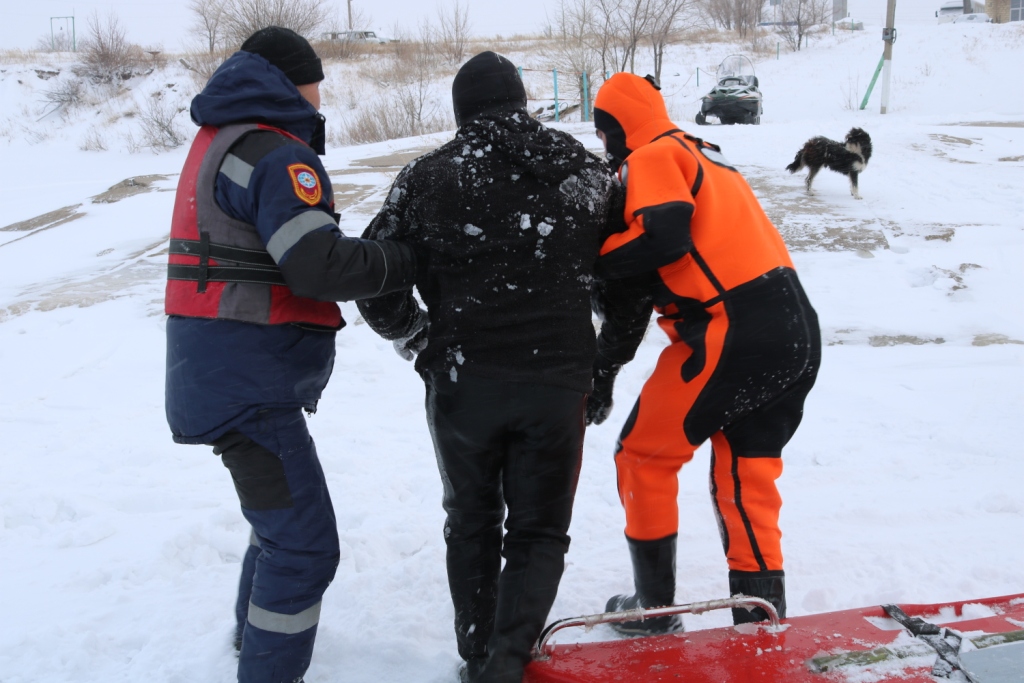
(529, 583)
(654, 576)
(768, 585)
(470, 670)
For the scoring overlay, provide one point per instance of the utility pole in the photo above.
(889, 37)
(349, 15)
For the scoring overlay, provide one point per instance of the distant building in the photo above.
(839, 10)
(1003, 11)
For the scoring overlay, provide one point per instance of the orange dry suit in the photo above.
(745, 345)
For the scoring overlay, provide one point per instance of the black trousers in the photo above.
(504, 444)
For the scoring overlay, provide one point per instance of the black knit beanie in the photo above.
(288, 51)
(486, 83)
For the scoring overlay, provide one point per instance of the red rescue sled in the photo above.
(981, 641)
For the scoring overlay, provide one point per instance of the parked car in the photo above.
(955, 8)
(975, 18)
(356, 36)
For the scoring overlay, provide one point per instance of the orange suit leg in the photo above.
(747, 503)
(654, 446)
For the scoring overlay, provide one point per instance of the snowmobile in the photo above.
(735, 97)
(975, 641)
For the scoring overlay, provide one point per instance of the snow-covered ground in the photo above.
(120, 550)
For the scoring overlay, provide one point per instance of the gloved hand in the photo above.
(599, 401)
(410, 346)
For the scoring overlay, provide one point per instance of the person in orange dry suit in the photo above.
(744, 353)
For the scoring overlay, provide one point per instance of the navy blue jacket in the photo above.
(220, 372)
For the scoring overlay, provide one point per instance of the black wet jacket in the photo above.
(507, 220)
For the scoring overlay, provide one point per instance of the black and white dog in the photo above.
(850, 158)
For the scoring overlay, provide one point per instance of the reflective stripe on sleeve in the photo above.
(236, 170)
(288, 235)
(289, 624)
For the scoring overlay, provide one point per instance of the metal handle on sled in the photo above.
(640, 614)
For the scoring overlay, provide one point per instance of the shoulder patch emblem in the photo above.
(306, 184)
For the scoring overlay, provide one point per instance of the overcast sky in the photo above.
(164, 22)
(152, 23)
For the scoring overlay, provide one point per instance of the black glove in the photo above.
(599, 401)
(409, 346)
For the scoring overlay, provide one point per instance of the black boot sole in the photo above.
(654, 626)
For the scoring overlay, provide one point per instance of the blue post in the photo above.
(871, 85)
(698, 76)
(520, 73)
(555, 72)
(586, 98)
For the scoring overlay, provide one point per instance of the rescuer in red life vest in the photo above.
(257, 263)
(744, 351)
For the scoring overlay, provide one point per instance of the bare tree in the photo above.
(413, 91)
(606, 27)
(798, 16)
(619, 27)
(578, 50)
(159, 130)
(748, 16)
(717, 12)
(666, 16)
(207, 19)
(106, 51)
(242, 18)
(609, 32)
(407, 103)
(741, 15)
(201, 65)
(65, 95)
(634, 16)
(58, 41)
(452, 35)
(605, 33)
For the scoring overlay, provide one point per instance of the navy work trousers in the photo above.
(293, 553)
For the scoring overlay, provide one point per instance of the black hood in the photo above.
(614, 135)
(549, 155)
(248, 88)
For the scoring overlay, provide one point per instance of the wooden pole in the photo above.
(889, 37)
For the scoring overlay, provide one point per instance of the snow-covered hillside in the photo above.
(904, 484)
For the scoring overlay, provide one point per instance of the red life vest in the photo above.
(218, 266)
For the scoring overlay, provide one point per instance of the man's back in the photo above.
(509, 218)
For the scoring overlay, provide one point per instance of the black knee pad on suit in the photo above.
(258, 473)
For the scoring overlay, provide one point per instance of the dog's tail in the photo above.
(797, 164)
